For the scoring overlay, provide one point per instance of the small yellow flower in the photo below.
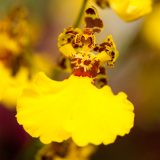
(8, 45)
(65, 151)
(17, 62)
(57, 111)
(12, 86)
(151, 31)
(16, 33)
(128, 10)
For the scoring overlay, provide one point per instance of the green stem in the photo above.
(78, 20)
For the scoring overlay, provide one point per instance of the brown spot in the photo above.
(62, 63)
(75, 45)
(96, 48)
(61, 150)
(90, 11)
(106, 44)
(83, 39)
(17, 62)
(72, 32)
(88, 31)
(102, 3)
(46, 158)
(112, 54)
(98, 3)
(69, 40)
(79, 61)
(101, 49)
(91, 23)
(103, 80)
(96, 30)
(102, 70)
(91, 42)
(107, 4)
(73, 64)
(87, 62)
(92, 72)
(100, 82)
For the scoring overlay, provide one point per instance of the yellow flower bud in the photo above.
(11, 86)
(128, 10)
(151, 31)
(131, 9)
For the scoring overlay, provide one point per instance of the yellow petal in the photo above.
(67, 50)
(11, 86)
(109, 53)
(151, 31)
(42, 63)
(131, 9)
(73, 108)
(8, 44)
(65, 41)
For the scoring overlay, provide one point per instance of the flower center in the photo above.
(85, 65)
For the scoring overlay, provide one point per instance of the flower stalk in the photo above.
(80, 15)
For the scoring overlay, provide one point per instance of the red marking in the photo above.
(90, 11)
(102, 70)
(92, 72)
(79, 61)
(91, 23)
(87, 62)
(88, 31)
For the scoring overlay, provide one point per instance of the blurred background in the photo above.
(137, 73)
